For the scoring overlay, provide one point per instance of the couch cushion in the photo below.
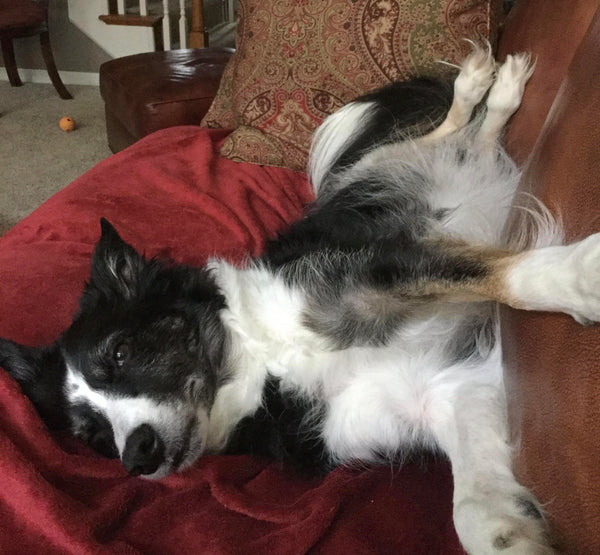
(297, 62)
(172, 195)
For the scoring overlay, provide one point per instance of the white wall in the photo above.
(80, 42)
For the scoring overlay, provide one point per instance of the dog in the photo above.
(367, 331)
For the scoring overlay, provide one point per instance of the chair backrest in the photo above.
(22, 14)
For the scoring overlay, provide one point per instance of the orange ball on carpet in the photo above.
(67, 123)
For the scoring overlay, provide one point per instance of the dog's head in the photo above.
(136, 373)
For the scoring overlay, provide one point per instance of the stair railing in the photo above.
(159, 17)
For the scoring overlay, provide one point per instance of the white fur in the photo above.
(331, 138)
(125, 414)
(505, 95)
(561, 279)
(384, 400)
(473, 81)
(407, 394)
(263, 317)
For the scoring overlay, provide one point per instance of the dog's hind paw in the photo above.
(476, 76)
(507, 90)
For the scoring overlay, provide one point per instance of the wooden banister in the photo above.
(198, 35)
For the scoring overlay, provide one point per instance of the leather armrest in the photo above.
(552, 364)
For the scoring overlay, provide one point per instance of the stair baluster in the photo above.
(166, 25)
(183, 24)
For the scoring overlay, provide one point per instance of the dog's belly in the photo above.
(383, 402)
(474, 194)
(371, 400)
(383, 407)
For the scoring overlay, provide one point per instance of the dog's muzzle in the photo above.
(144, 451)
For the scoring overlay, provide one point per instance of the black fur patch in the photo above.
(362, 214)
(528, 508)
(284, 428)
(93, 429)
(164, 317)
(399, 107)
(40, 372)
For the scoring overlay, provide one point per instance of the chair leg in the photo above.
(51, 66)
(8, 53)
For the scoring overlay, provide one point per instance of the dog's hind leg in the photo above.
(471, 84)
(505, 96)
(493, 513)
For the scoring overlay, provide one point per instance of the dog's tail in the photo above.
(335, 136)
(386, 115)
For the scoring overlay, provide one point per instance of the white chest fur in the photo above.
(264, 320)
(376, 398)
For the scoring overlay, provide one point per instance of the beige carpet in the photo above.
(37, 158)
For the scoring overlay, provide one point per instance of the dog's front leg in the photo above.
(560, 279)
(493, 513)
(374, 292)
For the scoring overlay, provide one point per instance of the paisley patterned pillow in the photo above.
(299, 60)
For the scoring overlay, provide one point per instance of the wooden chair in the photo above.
(25, 18)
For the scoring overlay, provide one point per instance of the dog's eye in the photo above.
(121, 354)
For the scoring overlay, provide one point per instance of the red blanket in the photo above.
(171, 195)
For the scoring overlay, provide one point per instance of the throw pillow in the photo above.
(298, 61)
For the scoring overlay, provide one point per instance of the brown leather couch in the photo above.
(553, 364)
(552, 370)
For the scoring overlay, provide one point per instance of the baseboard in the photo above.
(41, 76)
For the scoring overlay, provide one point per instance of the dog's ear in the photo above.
(116, 266)
(41, 374)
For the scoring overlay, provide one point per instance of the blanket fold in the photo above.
(171, 195)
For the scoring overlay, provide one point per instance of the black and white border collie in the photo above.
(366, 332)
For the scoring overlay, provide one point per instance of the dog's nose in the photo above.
(144, 451)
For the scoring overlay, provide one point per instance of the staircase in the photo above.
(170, 20)
(124, 27)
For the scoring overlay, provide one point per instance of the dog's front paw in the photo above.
(559, 279)
(496, 523)
(584, 260)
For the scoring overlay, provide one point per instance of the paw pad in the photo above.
(504, 541)
(528, 508)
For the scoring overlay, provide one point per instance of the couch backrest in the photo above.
(552, 363)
